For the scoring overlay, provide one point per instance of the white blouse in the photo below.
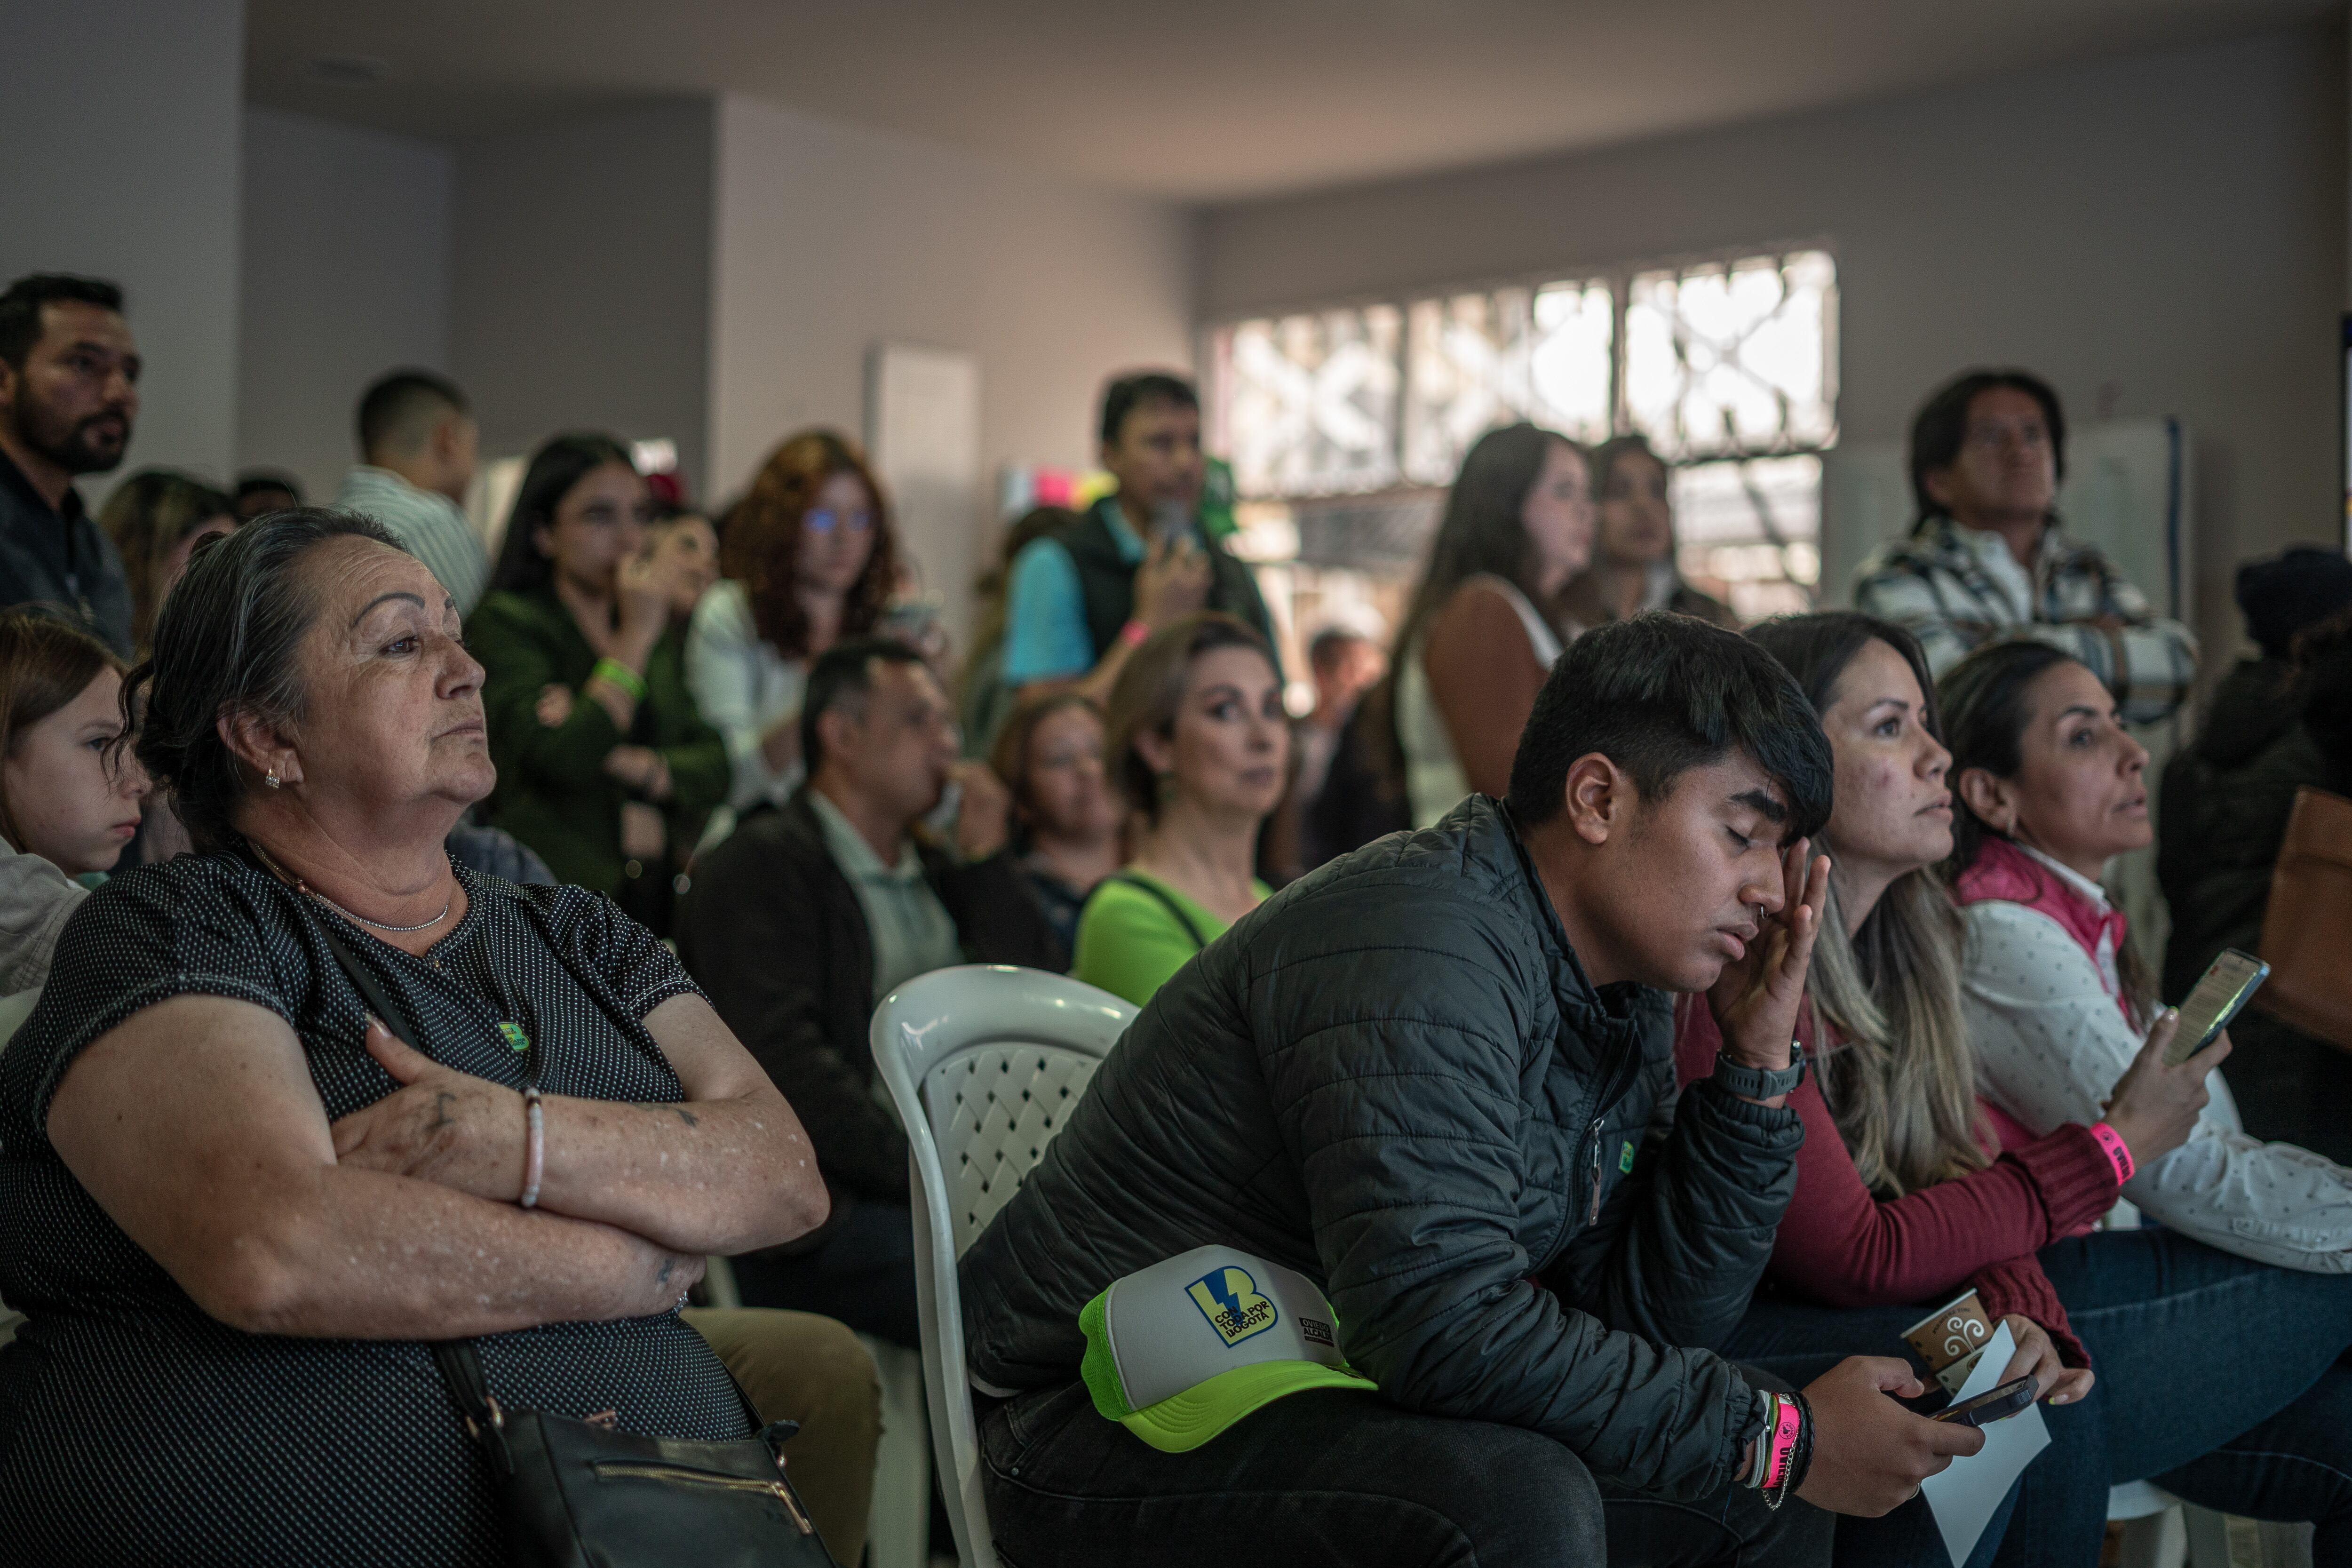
(744, 687)
(2050, 1042)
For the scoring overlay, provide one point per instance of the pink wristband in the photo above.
(1133, 633)
(1783, 1439)
(2118, 1152)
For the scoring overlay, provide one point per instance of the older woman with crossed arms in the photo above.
(237, 1205)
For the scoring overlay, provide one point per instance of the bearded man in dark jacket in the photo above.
(1436, 1078)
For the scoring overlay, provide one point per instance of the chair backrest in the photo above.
(984, 1063)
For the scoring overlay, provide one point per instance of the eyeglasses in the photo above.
(824, 519)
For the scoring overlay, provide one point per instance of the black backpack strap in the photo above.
(1171, 905)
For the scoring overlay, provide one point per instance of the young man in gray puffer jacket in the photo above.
(1437, 1078)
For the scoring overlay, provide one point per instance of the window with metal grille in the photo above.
(1727, 364)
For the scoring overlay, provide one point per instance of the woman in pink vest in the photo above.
(2258, 1238)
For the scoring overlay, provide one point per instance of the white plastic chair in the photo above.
(984, 1063)
(2162, 1532)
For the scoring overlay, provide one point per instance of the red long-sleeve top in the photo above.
(1843, 1247)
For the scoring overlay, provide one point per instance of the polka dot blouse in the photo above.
(133, 1428)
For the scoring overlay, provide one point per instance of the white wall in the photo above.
(118, 119)
(347, 254)
(581, 289)
(2158, 235)
(831, 239)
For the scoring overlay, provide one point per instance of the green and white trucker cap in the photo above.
(1181, 1351)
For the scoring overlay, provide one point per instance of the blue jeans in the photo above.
(2221, 1380)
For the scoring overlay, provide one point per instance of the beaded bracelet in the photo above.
(534, 1158)
(622, 676)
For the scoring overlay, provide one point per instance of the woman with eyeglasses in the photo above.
(604, 766)
(809, 559)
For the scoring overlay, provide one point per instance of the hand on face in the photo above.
(1757, 998)
(985, 817)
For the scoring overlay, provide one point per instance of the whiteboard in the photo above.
(922, 434)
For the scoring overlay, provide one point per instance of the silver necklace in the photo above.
(302, 887)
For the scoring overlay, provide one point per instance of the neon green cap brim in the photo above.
(1182, 1422)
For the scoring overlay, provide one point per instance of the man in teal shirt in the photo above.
(1083, 597)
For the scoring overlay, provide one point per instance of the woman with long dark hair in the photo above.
(1478, 636)
(1634, 565)
(2226, 1333)
(604, 766)
(808, 559)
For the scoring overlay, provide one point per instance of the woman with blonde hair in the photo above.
(808, 559)
(1200, 748)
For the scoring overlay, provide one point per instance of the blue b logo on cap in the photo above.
(1229, 1298)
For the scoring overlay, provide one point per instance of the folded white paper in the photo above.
(1964, 1494)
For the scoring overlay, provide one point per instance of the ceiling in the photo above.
(1209, 100)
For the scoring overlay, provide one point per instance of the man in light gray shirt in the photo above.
(418, 449)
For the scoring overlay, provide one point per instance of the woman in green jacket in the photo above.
(1200, 746)
(604, 766)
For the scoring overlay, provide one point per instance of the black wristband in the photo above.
(1759, 1083)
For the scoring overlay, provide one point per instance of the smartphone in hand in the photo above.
(2220, 993)
(1991, 1406)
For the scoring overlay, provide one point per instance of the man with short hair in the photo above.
(418, 448)
(1987, 559)
(1086, 595)
(260, 491)
(809, 914)
(1435, 1079)
(68, 396)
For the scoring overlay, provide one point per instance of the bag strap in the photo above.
(1166, 902)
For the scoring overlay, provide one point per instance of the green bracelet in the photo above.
(622, 676)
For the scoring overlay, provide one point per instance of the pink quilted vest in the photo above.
(2002, 870)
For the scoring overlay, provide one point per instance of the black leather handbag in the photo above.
(574, 1494)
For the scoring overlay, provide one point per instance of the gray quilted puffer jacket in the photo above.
(1395, 1078)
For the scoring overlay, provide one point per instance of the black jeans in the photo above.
(1337, 1478)
(863, 1275)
